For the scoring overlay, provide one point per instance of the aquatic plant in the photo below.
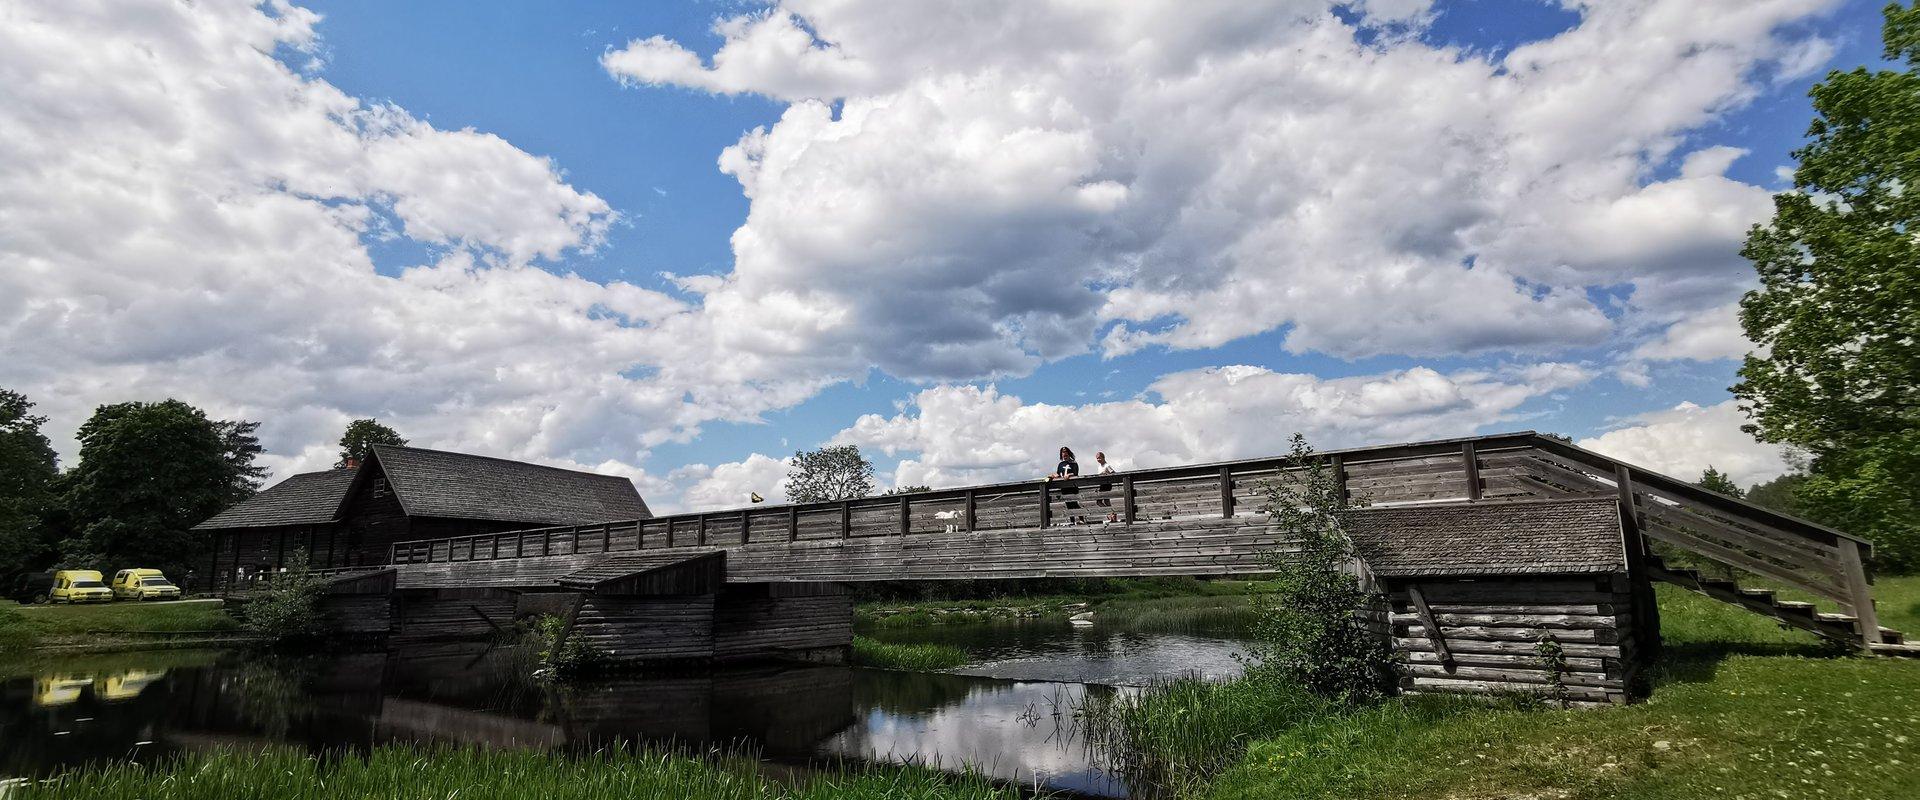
(916, 657)
(1172, 737)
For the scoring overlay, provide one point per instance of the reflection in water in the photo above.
(1017, 730)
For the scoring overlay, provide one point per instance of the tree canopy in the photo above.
(1714, 480)
(28, 469)
(829, 473)
(362, 435)
(1837, 313)
(148, 473)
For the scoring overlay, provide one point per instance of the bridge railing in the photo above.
(1727, 531)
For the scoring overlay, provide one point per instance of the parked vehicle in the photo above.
(143, 584)
(79, 586)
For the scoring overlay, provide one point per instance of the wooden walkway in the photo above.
(1192, 520)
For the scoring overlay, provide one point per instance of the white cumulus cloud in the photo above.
(1684, 440)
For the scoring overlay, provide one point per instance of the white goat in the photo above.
(951, 518)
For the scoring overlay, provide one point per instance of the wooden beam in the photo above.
(906, 515)
(1226, 491)
(1433, 628)
(1126, 497)
(1045, 512)
(746, 525)
(846, 519)
(1855, 578)
(972, 512)
(1339, 468)
(606, 537)
(703, 530)
(793, 523)
(1472, 459)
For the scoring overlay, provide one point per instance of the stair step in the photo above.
(1764, 595)
(1891, 636)
(1902, 650)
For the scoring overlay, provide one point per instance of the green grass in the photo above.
(913, 657)
(23, 627)
(409, 773)
(1741, 708)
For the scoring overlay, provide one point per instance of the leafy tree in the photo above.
(1780, 494)
(148, 473)
(908, 490)
(1714, 480)
(1837, 314)
(1308, 634)
(285, 610)
(829, 473)
(28, 469)
(362, 435)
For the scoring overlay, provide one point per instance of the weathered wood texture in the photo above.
(453, 614)
(647, 629)
(1490, 632)
(751, 622)
(358, 614)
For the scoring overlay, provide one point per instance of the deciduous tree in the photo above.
(362, 435)
(28, 468)
(1837, 314)
(829, 473)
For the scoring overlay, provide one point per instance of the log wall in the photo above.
(644, 629)
(752, 622)
(1491, 629)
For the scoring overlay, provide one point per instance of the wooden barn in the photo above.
(348, 517)
(1531, 597)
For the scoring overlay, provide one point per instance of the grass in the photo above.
(1156, 605)
(111, 624)
(912, 657)
(1742, 708)
(411, 773)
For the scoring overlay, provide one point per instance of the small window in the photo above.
(379, 487)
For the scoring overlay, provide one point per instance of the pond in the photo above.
(1006, 715)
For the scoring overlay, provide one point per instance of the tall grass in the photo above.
(913, 657)
(414, 773)
(1171, 738)
(1225, 615)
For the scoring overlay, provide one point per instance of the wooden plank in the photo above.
(1426, 617)
(1044, 504)
(1471, 458)
(1743, 561)
(1226, 492)
(1855, 579)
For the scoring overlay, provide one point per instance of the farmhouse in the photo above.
(349, 516)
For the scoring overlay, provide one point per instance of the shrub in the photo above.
(1308, 634)
(286, 609)
(558, 658)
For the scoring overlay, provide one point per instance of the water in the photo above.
(1006, 715)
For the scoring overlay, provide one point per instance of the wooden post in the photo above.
(703, 530)
(1226, 492)
(640, 534)
(1126, 498)
(1432, 625)
(1472, 459)
(213, 569)
(576, 539)
(793, 523)
(1633, 528)
(846, 518)
(606, 537)
(496, 547)
(973, 516)
(546, 543)
(906, 516)
(1045, 512)
(520, 545)
(1339, 468)
(1854, 572)
(746, 525)
(669, 533)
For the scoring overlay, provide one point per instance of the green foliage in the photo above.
(16, 636)
(28, 469)
(1714, 480)
(362, 435)
(1837, 314)
(1309, 636)
(148, 473)
(829, 473)
(908, 490)
(911, 657)
(427, 773)
(1174, 737)
(558, 658)
(285, 610)
(1780, 494)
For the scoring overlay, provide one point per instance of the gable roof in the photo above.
(309, 498)
(436, 483)
(1550, 537)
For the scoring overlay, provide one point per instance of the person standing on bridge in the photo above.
(1101, 467)
(1069, 468)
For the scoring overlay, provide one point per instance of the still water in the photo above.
(1007, 714)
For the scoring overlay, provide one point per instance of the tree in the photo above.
(241, 447)
(362, 435)
(1780, 494)
(148, 473)
(28, 469)
(1837, 313)
(908, 490)
(829, 473)
(1308, 635)
(1714, 480)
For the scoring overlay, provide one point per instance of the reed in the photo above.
(1174, 737)
(913, 657)
(415, 773)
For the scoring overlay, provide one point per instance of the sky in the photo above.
(678, 242)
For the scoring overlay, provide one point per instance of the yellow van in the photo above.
(126, 685)
(59, 690)
(143, 584)
(79, 586)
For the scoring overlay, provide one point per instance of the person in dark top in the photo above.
(1069, 468)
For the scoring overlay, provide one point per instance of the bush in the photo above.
(285, 610)
(557, 659)
(1308, 634)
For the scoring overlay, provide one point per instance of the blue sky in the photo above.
(635, 146)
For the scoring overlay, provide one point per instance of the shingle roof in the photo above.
(1577, 536)
(436, 483)
(305, 499)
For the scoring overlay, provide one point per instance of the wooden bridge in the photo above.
(1191, 520)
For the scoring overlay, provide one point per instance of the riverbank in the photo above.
(415, 773)
(1148, 605)
(1740, 708)
(116, 626)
